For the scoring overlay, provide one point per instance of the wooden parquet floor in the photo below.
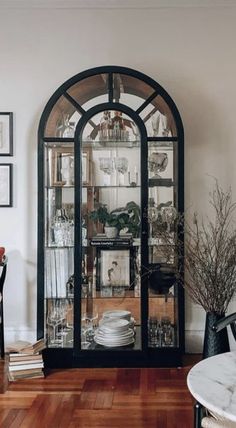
(99, 398)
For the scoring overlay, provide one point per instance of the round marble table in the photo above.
(212, 382)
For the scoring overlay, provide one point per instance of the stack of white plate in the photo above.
(114, 332)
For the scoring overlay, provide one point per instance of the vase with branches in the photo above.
(206, 249)
(209, 260)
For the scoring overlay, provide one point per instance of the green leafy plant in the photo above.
(127, 217)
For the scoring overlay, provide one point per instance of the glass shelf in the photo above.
(59, 186)
(111, 144)
(112, 187)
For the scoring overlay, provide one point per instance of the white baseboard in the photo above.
(24, 333)
(194, 341)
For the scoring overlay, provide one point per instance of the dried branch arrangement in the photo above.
(210, 254)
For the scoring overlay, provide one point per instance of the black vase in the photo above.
(214, 343)
(160, 282)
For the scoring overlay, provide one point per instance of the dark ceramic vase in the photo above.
(214, 343)
(160, 282)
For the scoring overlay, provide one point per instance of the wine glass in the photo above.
(106, 165)
(121, 166)
(157, 162)
(88, 325)
(168, 215)
(152, 217)
(54, 319)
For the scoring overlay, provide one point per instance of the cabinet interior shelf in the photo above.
(128, 295)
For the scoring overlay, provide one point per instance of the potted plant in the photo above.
(126, 218)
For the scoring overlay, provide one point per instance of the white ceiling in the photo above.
(115, 4)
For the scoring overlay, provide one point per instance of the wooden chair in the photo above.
(224, 322)
(211, 421)
(3, 265)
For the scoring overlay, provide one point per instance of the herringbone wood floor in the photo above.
(104, 398)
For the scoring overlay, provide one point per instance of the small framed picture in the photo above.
(5, 185)
(6, 134)
(115, 269)
(61, 166)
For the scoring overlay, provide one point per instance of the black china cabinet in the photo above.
(110, 187)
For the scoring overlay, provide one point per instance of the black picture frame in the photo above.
(123, 256)
(6, 134)
(6, 176)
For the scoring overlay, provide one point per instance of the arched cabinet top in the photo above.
(113, 85)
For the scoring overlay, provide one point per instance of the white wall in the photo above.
(189, 51)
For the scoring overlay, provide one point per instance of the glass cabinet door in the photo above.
(111, 227)
(163, 263)
(59, 244)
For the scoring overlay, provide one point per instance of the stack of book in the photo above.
(101, 240)
(25, 360)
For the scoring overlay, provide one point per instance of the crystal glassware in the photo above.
(54, 319)
(152, 215)
(153, 332)
(106, 165)
(168, 216)
(121, 166)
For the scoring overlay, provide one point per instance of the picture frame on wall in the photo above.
(6, 184)
(6, 134)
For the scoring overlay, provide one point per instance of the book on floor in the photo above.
(23, 347)
(25, 366)
(19, 357)
(25, 374)
(25, 363)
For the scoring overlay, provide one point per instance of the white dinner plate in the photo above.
(115, 324)
(117, 314)
(113, 345)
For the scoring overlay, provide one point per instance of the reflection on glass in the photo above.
(157, 162)
(110, 127)
(160, 125)
(66, 129)
(67, 169)
(60, 322)
(89, 326)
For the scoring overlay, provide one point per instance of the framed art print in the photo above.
(6, 134)
(5, 185)
(115, 267)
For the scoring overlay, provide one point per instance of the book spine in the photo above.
(23, 366)
(24, 362)
(107, 243)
